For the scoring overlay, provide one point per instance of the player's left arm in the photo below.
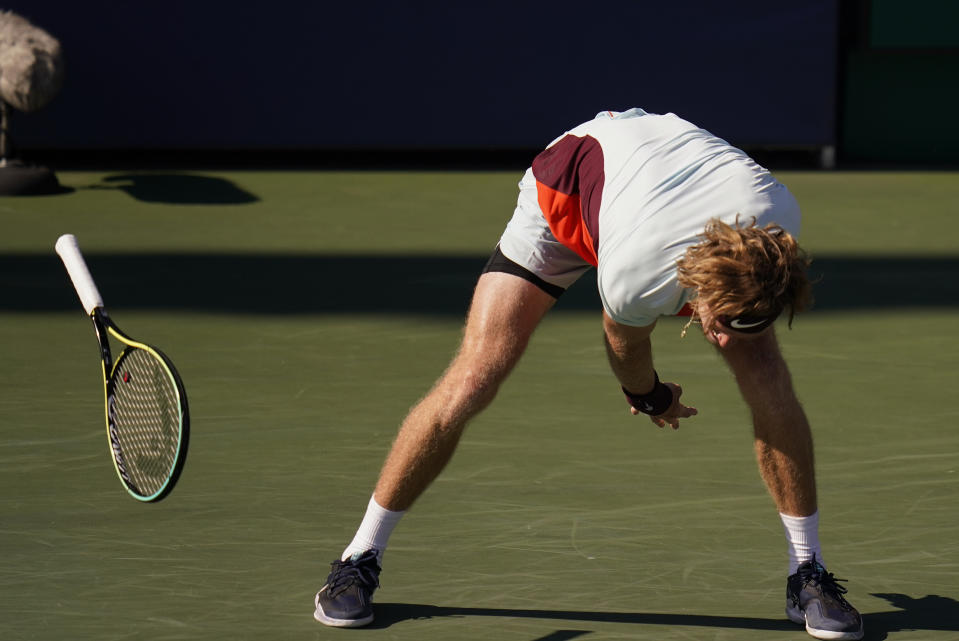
(630, 355)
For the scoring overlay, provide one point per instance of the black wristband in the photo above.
(654, 403)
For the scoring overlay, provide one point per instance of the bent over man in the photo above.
(673, 219)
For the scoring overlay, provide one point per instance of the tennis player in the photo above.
(674, 220)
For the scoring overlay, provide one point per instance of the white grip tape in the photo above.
(72, 259)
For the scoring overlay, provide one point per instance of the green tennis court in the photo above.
(307, 311)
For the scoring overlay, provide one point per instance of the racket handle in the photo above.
(69, 252)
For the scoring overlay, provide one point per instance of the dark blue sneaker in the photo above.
(814, 599)
(346, 601)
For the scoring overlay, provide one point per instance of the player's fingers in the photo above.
(689, 411)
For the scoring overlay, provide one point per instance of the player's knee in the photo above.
(458, 397)
(763, 374)
(769, 365)
(467, 390)
(479, 386)
(474, 378)
(771, 387)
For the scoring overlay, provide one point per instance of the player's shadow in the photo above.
(931, 612)
(388, 614)
(178, 189)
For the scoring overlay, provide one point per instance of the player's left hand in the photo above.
(675, 412)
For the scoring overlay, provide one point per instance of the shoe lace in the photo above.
(827, 581)
(363, 570)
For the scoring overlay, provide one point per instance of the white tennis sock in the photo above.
(374, 531)
(802, 538)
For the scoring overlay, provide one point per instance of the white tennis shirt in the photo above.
(629, 191)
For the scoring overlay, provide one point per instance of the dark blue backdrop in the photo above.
(379, 74)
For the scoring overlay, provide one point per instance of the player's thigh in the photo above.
(504, 313)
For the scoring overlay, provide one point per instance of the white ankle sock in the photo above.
(802, 539)
(374, 531)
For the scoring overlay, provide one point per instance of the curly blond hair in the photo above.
(744, 270)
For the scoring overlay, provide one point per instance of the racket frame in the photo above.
(104, 327)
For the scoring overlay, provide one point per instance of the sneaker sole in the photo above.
(322, 617)
(797, 616)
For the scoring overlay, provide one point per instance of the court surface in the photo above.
(307, 311)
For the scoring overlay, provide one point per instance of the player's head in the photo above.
(745, 276)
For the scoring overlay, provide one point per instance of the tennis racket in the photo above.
(146, 408)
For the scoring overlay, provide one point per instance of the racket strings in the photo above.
(146, 418)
